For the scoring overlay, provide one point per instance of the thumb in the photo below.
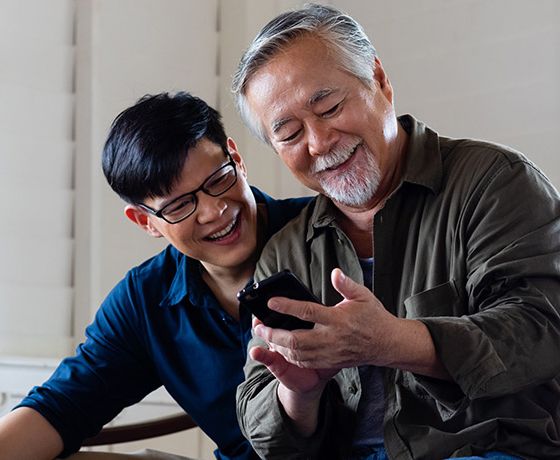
(275, 362)
(345, 285)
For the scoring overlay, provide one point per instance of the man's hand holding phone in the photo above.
(282, 284)
(300, 389)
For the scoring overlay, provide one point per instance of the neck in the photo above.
(225, 283)
(357, 223)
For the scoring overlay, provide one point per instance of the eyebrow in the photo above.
(277, 125)
(314, 99)
(319, 96)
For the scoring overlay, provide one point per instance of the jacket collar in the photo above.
(423, 157)
(423, 167)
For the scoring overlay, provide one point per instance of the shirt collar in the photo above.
(323, 215)
(423, 157)
(186, 283)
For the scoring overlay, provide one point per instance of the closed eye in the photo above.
(331, 111)
(179, 205)
(291, 136)
(219, 178)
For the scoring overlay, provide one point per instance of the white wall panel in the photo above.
(36, 176)
(35, 210)
(125, 50)
(39, 261)
(37, 20)
(30, 164)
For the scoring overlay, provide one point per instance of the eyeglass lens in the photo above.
(216, 184)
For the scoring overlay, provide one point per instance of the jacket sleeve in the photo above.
(264, 422)
(260, 414)
(510, 338)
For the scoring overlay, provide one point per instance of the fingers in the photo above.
(307, 311)
(346, 286)
(274, 362)
(255, 321)
(272, 336)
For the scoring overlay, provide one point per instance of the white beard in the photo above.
(353, 187)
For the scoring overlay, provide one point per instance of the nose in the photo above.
(209, 208)
(320, 138)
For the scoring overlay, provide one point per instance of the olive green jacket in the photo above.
(469, 244)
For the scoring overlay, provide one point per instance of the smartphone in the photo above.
(281, 284)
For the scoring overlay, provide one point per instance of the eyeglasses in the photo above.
(219, 182)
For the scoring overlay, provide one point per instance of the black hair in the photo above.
(148, 143)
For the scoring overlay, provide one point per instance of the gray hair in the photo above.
(336, 29)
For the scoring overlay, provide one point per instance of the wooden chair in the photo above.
(143, 430)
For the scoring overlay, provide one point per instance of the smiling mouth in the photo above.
(225, 232)
(346, 160)
(334, 160)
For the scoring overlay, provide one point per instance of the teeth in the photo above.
(336, 157)
(223, 232)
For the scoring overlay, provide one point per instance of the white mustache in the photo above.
(338, 155)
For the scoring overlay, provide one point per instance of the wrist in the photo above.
(302, 408)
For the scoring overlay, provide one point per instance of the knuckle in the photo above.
(307, 311)
(292, 343)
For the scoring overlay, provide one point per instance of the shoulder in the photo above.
(157, 268)
(149, 282)
(287, 247)
(481, 164)
(279, 211)
(481, 155)
(297, 228)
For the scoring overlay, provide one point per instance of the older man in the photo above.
(450, 349)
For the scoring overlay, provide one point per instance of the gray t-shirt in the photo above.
(371, 409)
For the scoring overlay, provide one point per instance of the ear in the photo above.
(142, 219)
(232, 149)
(382, 80)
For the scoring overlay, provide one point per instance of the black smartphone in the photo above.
(281, 284)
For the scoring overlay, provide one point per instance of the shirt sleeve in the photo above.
(510, 338)
(110, 370)
(260, 414)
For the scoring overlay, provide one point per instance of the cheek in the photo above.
(297, 161)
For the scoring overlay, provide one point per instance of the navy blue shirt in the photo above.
(161, 325)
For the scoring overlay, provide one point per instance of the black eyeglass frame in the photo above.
(159, 213)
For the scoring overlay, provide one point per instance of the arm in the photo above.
(509, 339)
(262, 417)
(299, 390)
(110, 371)
(26, 435)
